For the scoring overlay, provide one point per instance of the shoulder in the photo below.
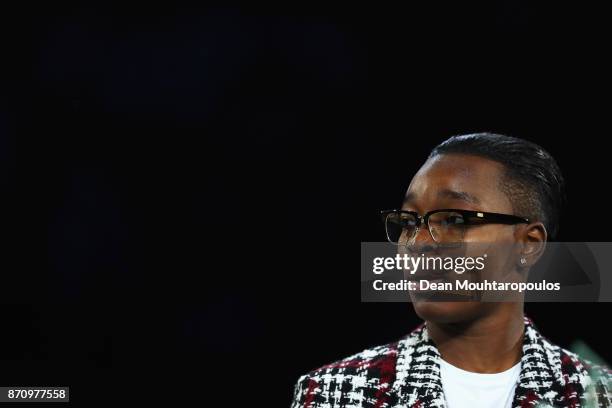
(591, 375)
(353, 380)
(574, 373)
(567, 363)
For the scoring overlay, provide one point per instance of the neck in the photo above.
(489, 344)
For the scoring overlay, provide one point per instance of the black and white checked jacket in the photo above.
(407, 374)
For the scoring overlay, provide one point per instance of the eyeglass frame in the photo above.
(487, 217)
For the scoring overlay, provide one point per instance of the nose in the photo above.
(422, 241)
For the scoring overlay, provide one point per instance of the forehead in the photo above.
(459, 177)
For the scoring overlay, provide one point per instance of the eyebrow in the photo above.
(446, 193)
(459, 195)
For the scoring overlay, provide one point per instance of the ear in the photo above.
(532, 243)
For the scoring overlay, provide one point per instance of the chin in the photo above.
(448, 312)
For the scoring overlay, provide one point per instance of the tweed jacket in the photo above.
(407, 374)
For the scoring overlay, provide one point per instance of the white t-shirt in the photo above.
(465, 389)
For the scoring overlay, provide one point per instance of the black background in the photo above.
(186, 187)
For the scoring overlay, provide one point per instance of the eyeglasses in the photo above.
(445, 225)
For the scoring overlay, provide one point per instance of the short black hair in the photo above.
(532, 181)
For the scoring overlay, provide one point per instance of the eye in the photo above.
(407, 220)
(453, 219)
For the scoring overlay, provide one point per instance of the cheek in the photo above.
(490, 233)
(493, 258)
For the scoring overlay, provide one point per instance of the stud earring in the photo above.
(523, 261)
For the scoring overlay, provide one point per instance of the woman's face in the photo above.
(465, 182)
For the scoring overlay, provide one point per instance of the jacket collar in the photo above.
(418, 382)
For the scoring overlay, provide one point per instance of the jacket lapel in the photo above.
(417, 382)
(548, 375)
(536, 379)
